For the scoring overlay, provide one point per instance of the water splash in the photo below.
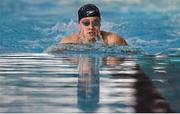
(170, 52)
(94, 49)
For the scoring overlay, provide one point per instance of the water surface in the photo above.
(143, 77)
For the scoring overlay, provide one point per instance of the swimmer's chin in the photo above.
(92, 39)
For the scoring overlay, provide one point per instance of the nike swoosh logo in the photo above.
(90, 12)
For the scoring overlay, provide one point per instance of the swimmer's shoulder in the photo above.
(74, 38)
(111, 38)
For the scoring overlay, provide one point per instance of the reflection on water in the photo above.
(54, 83)
(88, 85)
(148, 97)
(164, 73)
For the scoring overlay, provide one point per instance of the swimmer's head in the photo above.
(88, 10)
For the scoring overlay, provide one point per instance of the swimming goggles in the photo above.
(94, 23)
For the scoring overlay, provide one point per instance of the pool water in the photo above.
(141, 77)
(55, 83)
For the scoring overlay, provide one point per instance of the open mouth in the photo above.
(91, 33)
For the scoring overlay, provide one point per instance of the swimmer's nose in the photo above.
(91, 26)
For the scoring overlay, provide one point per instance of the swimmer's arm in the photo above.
(121, 41)
(116, 39)
(65, 40)
(70, 39)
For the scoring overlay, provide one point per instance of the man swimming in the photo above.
(89, 24)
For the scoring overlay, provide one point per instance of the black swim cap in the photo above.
(88, 10)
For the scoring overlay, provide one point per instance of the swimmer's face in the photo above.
(90, 27)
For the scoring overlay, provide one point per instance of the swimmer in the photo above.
(89, 23)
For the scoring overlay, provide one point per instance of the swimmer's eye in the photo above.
(86, 23)
(96, 23)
